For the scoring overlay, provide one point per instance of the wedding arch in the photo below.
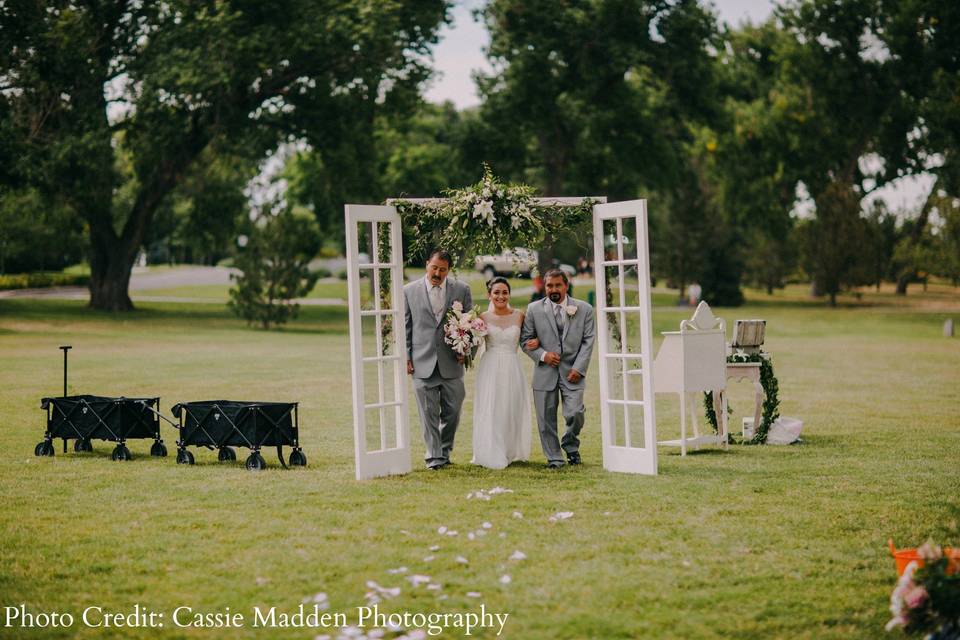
(490, 217)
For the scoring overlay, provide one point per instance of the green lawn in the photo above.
(752, 542)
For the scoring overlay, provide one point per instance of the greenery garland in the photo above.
(771, 402)
(488, 217)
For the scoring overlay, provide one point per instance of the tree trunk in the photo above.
(833, 299)
(109, 282)
(111, 263)
(916, 235)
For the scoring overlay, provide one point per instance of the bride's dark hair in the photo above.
(498, 280)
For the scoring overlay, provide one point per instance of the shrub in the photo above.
(43, 279)
(274, 268)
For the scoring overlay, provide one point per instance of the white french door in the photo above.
(377, 341)
(624, 332)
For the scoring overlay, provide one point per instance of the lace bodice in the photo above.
(503, 331)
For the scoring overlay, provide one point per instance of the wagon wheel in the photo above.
(256, 462)
(158, 449)
(121, 453)
(226, 454)
(297, 458)
(46, 448)
(184, 457)
(87, 445)
(81, 445)
(39, 449)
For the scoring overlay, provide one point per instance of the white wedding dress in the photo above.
(501, 405)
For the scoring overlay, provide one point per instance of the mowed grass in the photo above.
(751, 542)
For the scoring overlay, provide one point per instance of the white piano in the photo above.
(690, 362)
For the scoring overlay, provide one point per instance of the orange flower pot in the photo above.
(903, 557)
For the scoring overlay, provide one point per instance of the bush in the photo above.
(274, 268)
(342, 274)
(42, 280)
(322, 272)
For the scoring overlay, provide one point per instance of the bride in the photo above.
(501, 407)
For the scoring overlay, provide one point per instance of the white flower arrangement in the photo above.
(487, 217)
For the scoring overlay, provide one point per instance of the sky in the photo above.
(459, 54)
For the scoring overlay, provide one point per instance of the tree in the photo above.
(417, 154)
(594, 96)
(35, 234)
(274, 267)
(832, 243)
(171, 82)
(921, 37)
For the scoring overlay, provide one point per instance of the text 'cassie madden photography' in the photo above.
(306, 617)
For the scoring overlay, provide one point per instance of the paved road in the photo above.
(143, 280)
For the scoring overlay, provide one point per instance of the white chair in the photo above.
(690, 362)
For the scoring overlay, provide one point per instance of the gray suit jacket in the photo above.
(575, 346)
(425, 345)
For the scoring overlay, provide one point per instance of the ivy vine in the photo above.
(771, 401)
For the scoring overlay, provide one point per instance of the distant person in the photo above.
(583, 267)
(694, 291)
(537, 289)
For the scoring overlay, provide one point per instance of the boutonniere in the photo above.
(571, 310)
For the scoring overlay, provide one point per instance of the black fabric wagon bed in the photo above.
(224, 424)
(84, 418)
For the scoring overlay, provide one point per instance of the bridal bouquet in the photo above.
(927, 598)
(464, 331)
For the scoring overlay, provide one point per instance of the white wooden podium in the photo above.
(690, 362)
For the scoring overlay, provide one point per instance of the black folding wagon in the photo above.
(85, 418)
(224, 424)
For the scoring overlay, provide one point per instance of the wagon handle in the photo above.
(149, 408)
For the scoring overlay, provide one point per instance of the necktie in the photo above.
(558, 316)
(435, 301)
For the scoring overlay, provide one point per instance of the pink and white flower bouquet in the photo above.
(464, 332)
(926, 599)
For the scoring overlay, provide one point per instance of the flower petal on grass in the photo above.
(474, 594)
(505, 579)
(518, 555)
(397, 570)
(462, 560)
(416, 579)
(428, 558)
(487, 525)
(441, 530)
(561, 515)
(434, 547)
(518, 515)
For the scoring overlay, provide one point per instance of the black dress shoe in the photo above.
(554, 465)
(574, 460)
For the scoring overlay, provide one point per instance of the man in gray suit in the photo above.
(565, 329)
(437, 370)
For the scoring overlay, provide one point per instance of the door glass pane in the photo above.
(618, 435)
(384, 248)
(366, 287)
(609, 239)
(628, 229)
(365, 241)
